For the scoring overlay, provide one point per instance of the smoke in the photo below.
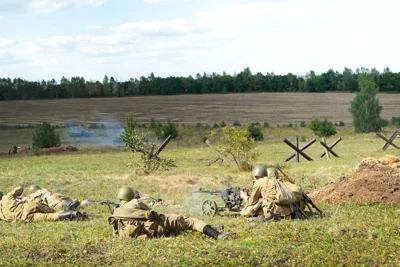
(105, 132)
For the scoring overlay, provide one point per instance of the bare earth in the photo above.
(274, 108)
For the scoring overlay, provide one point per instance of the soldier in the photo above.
(12, 208)
(135, 219)
(1, 195)
(56, 201)
(261, 200)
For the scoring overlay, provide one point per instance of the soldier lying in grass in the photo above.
(135, 219)
(13, 208)
(56, 201)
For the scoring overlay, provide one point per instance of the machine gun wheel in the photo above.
(209, 207)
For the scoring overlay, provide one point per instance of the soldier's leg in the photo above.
(179, 223)
(37, 217)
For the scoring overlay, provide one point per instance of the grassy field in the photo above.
(274, 108)
(350, 234)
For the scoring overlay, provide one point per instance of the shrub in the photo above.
(45, 136)
(237, 124)
(169, 129)
(215, 125)
(266, 125)
(341, 123)
(303, 124)
(396, 120)
(323, 128)
(290, 125)
(255, 131)
(239, 144)
(198, 125)
(204, 139)
(303, 138)
(222, 124)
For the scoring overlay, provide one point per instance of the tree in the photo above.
(45, 136)
(255, 130)
(365, 106)
(106, 89)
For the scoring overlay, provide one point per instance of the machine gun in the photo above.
(230, 196)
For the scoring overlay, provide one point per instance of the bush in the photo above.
(323, 128)
(216, 125)
(204, 139)
(237, 124)
(168, 129)
(341, 123)
(45, 136)
(266, 125)
(222, 124)
(396, 120)
(255, 131)
(198, 125)
(303, 138)
(303, 124)
(290, 125)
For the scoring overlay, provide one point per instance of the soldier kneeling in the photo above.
(135, 219)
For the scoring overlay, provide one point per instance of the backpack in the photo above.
(285, 193)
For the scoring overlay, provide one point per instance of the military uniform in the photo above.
(12, 209)
(56, 201)
(134, 219)
(263, 195)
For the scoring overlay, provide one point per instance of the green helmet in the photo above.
(34, 188)
(272, 172)
(260, 171)
(137, 195)
(126, 193)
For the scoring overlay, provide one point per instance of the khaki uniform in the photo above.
(129, 220)
(262, 200)
(13, 209)
(44, 196)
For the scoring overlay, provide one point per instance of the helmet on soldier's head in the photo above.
(272, 172)
(126, 193)
(259, 171)
(137, 195)
(34, 188)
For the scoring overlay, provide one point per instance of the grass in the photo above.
(351, 234)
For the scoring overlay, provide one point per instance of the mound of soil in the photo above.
(375, 180)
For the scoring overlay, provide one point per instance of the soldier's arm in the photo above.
(255, 193)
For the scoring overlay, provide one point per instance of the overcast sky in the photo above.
(44, 39)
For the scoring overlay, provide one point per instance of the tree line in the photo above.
(244, 81)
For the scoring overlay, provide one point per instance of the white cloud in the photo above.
(279, 36)
(6, 42)
(157, 1)
(45, 6)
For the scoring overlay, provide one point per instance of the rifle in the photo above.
(230, 196)
(306, 198)
(104, 202)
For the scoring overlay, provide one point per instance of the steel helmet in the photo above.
(126, 193)
(272, 172)
(260, 171)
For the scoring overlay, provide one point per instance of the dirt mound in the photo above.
(375, 180)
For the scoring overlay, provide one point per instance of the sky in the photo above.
(45, 39)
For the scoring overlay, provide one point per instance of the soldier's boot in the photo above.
(272, 216)
(297, 213)
(73, 215)
(71, 205)
(212, 232)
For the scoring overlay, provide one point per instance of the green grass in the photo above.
(349, 235)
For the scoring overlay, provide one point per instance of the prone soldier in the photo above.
(134, 219)
(56, 201)
(13, 208)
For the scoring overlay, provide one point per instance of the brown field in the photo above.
(274, 108)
